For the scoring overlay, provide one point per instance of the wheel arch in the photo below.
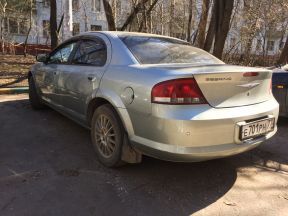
(121, 112)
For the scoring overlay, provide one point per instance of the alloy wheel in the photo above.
(105, 135)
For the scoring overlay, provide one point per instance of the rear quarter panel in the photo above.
(141, 80)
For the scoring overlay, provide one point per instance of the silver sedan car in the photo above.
(155, 95)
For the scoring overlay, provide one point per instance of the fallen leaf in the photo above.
(285, 196)
(230, 203)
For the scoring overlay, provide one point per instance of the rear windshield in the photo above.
(158, 50)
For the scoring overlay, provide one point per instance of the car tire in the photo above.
(107, 134)
(34, 98)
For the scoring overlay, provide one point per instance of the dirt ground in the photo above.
(14, 69)
(48, 167)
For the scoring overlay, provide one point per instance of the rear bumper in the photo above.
(193, 154)
(198, 133)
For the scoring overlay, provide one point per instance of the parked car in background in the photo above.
(280, 87)
(155, 95)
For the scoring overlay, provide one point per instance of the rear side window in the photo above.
(91, 52)
(159, 50)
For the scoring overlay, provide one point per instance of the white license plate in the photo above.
(257, 128)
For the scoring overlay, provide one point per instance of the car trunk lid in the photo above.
(234, 85)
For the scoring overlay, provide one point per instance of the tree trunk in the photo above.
(161, 18)
(211, 31)
(109, 15)
(60, 24)
(203, 23)
(284, 54)
(171, 21)
(53, 23)
(26, 41)
(133, 14)
(150, 17)
(224, 10)
(3, 26)
(144, 18)
(148, 13)
(1, 36)
(30, 27)
(188, 37)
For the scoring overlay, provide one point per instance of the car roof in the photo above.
(114, 34)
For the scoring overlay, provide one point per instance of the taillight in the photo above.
(250, 74)
(178, 91)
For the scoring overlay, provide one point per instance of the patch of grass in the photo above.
(14, 69)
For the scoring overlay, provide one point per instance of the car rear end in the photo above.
(208, 112)
(190, 106)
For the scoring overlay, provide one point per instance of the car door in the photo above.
(87, 67)
(49, 72)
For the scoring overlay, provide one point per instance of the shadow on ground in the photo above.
(48, 167)
(15, 81)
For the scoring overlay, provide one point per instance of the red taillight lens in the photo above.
(250, 74)
(178, 91)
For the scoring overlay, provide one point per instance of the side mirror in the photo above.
(42, 58)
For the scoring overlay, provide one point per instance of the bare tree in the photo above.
(30, 27)
(133, 14)
(3, 5)
(203, 23)
(53, 23)
(109, 15)
(284, 54)
(148, 13)
(171, 21)
(211, 31)
(190, 16)
(223, 14)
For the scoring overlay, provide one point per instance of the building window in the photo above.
(96, 27)
(96, 5)
(46, 3)
(258, 45)
(23, 27)
(76, 28)
(13, 26)
(16, 26)
(75, 5)
(6, 28)
(270, 45)
(46, 28)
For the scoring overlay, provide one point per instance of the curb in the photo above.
(18, 90)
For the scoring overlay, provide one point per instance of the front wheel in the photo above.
(34, 98)
(107, 136)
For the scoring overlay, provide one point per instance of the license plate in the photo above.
(257, 128)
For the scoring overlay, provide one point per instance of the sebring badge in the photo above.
(218, 79)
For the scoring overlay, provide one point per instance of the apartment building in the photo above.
(89, 15)
(79, 16)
